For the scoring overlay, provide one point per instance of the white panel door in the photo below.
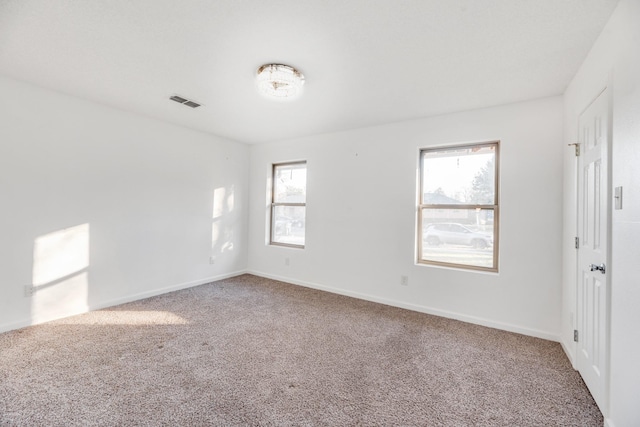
(593, 208)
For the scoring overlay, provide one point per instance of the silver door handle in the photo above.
(601, 268)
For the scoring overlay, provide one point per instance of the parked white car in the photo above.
(455, 234)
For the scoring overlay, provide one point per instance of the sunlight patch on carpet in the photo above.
(131, 318)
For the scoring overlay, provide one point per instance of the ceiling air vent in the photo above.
(184, 101)
(192, 104)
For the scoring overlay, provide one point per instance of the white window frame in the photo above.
(275, 204)
(493, 207)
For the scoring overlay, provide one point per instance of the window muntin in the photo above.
(458, 211)
(288, 204)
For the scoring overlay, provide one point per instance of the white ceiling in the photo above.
(366, 62)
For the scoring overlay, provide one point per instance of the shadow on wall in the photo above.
(222, 221)
(60, 274)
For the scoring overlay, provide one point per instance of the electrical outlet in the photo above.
(286, 262)
(404, 280)
(212, 260)
(28, 291)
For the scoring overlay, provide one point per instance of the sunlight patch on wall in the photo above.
(129, 318)
(60, 254)
(60, 277)
(222, 224)
(222, 202)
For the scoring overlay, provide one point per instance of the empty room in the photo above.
(322, 212)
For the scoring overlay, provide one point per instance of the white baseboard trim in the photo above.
(14, 325)
(568, 353)
(414, 307)
(608, 422)
(129, 298)
(153, 293)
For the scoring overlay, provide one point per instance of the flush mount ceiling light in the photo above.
(279, 81)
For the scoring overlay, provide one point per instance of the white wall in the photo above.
(361, 217)
(142, 189)
(614, 61)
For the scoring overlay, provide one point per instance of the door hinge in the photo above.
(575, 335)
(577, 242)
(576, 146)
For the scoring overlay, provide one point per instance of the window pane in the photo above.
(463, 175)
(288, 225)
(290, 183)
(458, 236)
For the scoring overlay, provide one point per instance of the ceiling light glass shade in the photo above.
(279, 81)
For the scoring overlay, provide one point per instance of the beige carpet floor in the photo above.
(248, 351)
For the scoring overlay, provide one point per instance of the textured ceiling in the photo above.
(366, 62)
